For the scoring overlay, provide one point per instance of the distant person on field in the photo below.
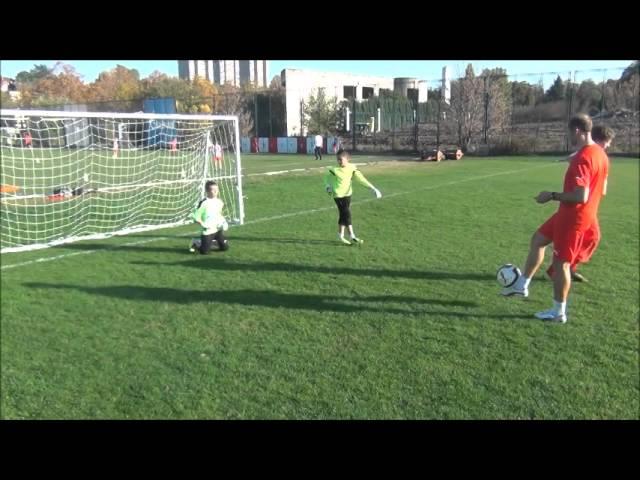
(318, 150)
(218, 154)
(27, 139)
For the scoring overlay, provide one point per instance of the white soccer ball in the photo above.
(508, 275)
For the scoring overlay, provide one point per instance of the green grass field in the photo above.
(290, 324)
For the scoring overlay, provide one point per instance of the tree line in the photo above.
(489, 101)
(122, 89)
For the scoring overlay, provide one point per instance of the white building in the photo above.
(300, 84)
(234, 72)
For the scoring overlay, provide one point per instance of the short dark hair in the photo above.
(343, 154)
(600, 133)
(209, 184)
(581, 121)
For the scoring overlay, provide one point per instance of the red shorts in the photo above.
(570, 245)
(590, 243)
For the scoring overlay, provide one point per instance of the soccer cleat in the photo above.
(514, 291)
(357, 240)
(345, 241)
(551, 316)
(578, 277)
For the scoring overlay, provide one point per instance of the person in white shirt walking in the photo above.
(318, 150)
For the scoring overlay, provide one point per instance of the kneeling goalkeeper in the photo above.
(208, 214)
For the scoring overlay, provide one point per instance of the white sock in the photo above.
(353, 235)
(523, 283)
(560, 307)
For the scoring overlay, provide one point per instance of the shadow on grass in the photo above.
(148, 247)
(298, 241)
(278, 300)
(263, 298)
(142, 248)
(220, 263)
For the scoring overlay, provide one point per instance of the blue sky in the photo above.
(421, 69)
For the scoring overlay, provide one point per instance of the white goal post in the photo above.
(69, 176)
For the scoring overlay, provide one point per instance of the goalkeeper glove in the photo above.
(377, 192)
(329, 189)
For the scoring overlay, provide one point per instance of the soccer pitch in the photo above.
(290, 324)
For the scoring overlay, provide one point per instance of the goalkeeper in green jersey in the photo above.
(337, 181)
(208, 214)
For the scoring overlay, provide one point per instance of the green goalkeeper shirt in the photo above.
(340, 178)
(209, 211)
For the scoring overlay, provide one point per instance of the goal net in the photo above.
(68, 176)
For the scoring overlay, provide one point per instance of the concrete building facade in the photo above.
(300, 84)
(234, 72)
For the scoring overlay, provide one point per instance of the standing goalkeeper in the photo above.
(208, 214)
(337, 181)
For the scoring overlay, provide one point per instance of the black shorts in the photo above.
(206, 242)
(344, 209)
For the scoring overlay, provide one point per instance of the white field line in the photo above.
(301, 169)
